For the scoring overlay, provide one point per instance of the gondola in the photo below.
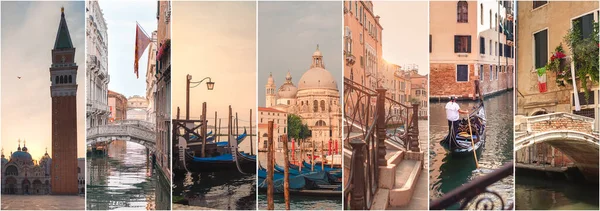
(222, 162)
(298, 184)
(458, 141)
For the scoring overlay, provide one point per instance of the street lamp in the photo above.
(210, 85)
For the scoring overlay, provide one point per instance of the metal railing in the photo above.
(367, 113)
(475, 195)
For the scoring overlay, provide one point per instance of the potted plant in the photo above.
(560, 65)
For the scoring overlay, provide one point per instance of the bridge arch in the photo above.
(582, 148)
(136, 131)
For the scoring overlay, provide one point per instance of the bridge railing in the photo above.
(121, 130)
(475, 195)
(367, 114)
(139, 123)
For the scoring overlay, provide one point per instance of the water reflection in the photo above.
(125, 179)
(536, 194)
(448, 172)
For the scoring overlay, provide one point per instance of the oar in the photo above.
(472, 143)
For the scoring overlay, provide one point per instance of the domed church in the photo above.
(316, 100)
(23, 175)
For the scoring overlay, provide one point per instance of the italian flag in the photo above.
(542, 83)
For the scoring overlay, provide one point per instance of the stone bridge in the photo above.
(571, 134)
(137, 131)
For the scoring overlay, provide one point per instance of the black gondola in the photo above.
(458, 141)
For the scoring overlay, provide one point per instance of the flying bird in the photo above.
(19, 77)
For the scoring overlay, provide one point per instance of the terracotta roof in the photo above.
(269, 109)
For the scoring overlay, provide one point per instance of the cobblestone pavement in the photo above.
(42, 202)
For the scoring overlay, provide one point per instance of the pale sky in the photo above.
(28, 34)
(405, 32)
(288, 34)
(120, 18)
(217, 40)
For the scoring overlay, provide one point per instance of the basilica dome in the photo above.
(22, 155)
(287, 90)
(317, 77)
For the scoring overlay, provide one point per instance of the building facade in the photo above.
(97, 110)
(63, 89)
(137, 108)
(21, 174)
(362, 43)
(315, 101)
(542, 28)
(162, 96)
(151, 79)
(470, 40)
(279, 119)
(117, 104)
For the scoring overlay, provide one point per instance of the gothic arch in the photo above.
(320, 123)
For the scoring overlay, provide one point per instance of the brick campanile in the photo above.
(63, 89)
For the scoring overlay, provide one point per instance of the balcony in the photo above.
(350, 59)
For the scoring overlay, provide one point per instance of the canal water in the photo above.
(449, 172)
(296, 202)
(125, 179)
(229, 190)
(534, 193)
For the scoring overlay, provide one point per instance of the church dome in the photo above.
(21, 155)
(317, 77)
(288, 89)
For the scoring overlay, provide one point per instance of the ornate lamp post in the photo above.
(210, 85)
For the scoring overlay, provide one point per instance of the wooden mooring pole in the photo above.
(322, 157)
(312, 156)
(219, 131)
(286, 173)
(251, 142)
(204, 122)
(300, 161)
(270, 167)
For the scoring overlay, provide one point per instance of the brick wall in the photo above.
(562, 123)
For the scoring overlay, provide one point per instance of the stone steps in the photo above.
(407, 175)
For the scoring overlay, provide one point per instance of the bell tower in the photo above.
(63, 89)
(270, 92)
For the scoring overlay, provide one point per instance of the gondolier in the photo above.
(453, 114)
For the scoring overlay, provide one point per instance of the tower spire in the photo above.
(63, 37)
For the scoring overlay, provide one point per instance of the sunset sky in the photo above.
(217, 40)
(405, 32)
(28, 35)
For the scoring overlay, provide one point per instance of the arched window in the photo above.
(496, 21)
(323, 105)
(491, 19)
(320, 123)
(62, 79)
(11, 171)
(56, 80)
(315, 106)
(481, 11)
(462, 10)
(70, 79)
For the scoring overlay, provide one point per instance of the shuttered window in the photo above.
(500, 48)
(462, 73)
(481, 45)
(585, 25)
(537, 4)
(541, 48)
(462, 44)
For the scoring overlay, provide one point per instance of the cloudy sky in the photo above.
(405, 32)
(288, 34)
(217, 40)
(28, 35)
(120, 19)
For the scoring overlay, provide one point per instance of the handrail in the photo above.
(468, 192)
